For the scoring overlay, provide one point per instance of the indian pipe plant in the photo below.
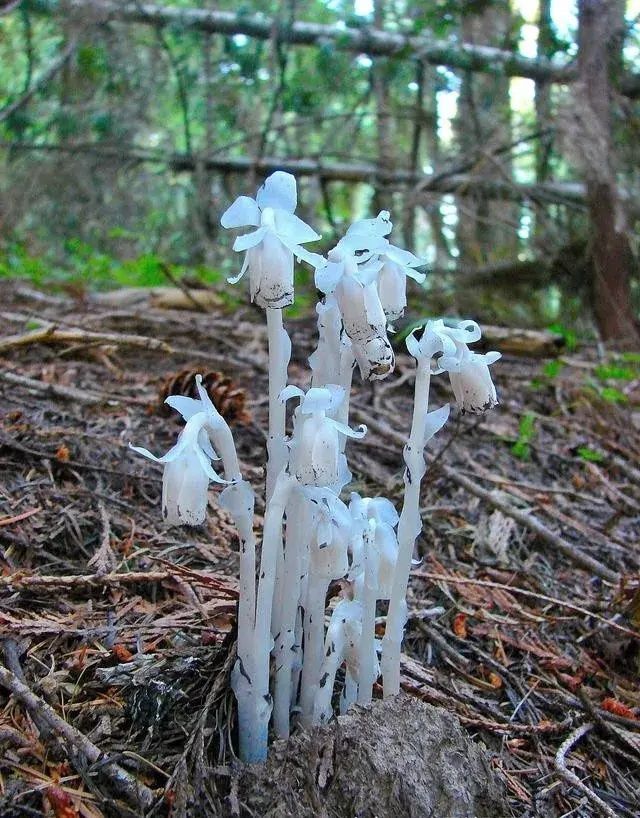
(290, 647)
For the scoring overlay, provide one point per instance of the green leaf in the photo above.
(613, 395)
(590, 455)
(552, 369)
(607, 372)
(526, 432)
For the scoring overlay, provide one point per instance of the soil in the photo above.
(398, 759)
(124, 626)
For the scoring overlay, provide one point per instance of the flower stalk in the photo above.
(317, 555)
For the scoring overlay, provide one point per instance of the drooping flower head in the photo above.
(270, 249)
(446, 346)
(316, 454)
(380, 516)
(187, 465)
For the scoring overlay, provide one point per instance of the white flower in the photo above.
(397, 265)
(362, 313)
(187, 472)
(187, 467)
(271, 248)
(381, 515)
(316, 456)
(471, 380)
(468, 371)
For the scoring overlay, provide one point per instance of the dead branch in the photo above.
(50, 334)
(26, 582)
(43, 80)
(527, 519)
(78, 746)
(561, 766)
(55, 390)
(567, 193)
(365, 40)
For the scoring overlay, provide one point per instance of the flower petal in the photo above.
(187, 407)
(278, 191)
(290, 228)
(435, 421)
(249, 239)
(328, 276)
(358, 433)
(244, 211)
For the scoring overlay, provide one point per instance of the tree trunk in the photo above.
(383, 197)
(485, 231)
(600, 34)
(546, 49)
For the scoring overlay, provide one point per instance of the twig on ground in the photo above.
(56, 390)
(561, 765)
(78, 746)
(50, 334)
(525, 518)
(26, 582)
(482, 583)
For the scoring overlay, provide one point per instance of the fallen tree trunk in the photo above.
(364, 40)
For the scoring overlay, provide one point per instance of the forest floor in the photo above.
(123, 627)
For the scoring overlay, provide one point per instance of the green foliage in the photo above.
(569, 335)
(613, 395)
(590, 455)
(552, 369)
(526, 433)
(615, 372)
(86, 267)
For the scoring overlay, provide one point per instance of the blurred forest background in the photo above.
(503, 135)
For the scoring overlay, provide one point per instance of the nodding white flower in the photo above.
(366, 241)
(187, 467)
(468, 371)
(316, 456)
(187, 472)
(471, 380)
(271, 248)
(364, 320)
(381, 515)
(397, 265)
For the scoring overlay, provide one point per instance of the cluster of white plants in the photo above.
(291, 645)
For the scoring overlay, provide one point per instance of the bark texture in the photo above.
(600, 37)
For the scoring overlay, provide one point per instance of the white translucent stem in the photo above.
(239, 500)
(333, 657)
(409, 528)
(279, 355)
(298, 522)
(271, 542)
(313, 646)
(366, 645)
(349, 693)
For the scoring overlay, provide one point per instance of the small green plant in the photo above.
(590, 455)
(569, 336)
(552, 369)
(614, 372)
(526, 433)
(613, 395)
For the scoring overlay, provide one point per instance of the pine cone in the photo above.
(228, 398)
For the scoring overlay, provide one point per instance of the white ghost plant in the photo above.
(292, 641)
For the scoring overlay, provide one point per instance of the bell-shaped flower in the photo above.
(379, 514)
(397, 265)
(187, 470)
(364, 320)
(471, 380)
(270, 249)
(316, 456)
(468, 371)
